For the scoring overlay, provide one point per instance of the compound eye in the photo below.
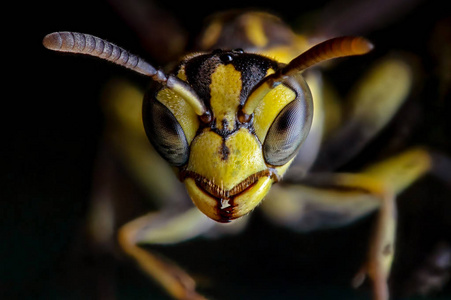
(286, 134)
(165, 132)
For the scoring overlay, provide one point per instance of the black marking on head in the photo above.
(253, 68)
(225, 151)
(198, 72)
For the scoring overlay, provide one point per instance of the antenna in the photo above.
(82, 43)
(333, 48)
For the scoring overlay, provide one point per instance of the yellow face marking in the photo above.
(204, 202)
(255, 31)
(226, 166)
(228, 163)
(182, 111)
(248, 200)
(270, 107)
(225, 95)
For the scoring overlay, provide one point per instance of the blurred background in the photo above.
(53, 134)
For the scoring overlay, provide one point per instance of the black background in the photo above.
(53, 124)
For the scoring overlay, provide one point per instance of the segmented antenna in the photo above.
(333, 48)
(82, 43)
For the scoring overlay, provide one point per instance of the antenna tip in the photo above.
(52, 41)
(360, 45)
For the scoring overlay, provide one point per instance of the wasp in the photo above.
(244, 119)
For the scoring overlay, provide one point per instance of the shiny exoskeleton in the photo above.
(230, 120)
(210, 154)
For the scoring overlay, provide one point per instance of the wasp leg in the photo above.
(370, 106)
(156, 228)
(329, 200)
(338, 199)
(127, 172)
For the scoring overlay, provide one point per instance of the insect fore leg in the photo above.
(126, 139)
(158, 228)
(330, 200)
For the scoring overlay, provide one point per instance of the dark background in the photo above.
(52, 131)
